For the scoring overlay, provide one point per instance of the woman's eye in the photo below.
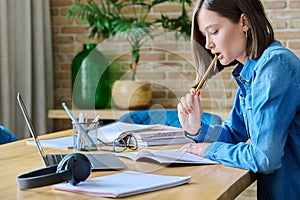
(213, 32)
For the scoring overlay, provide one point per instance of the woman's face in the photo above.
(224, 38)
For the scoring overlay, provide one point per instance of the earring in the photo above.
(247, 33)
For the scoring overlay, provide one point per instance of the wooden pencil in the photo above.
(202, 81)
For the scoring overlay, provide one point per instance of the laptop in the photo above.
(98, 161)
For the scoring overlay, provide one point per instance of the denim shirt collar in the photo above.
(247, 70)
(243, 73)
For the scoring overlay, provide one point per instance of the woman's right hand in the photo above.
(190, 112)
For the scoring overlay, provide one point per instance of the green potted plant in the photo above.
(106, 18)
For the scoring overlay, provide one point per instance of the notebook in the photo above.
(98, 161)
(124, 184)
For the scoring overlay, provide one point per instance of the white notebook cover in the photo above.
(124, 184)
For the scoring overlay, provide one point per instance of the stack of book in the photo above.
(146, 135)
(161, 135)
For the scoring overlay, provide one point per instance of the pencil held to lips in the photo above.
(202, 81)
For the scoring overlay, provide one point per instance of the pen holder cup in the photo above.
(85, 136)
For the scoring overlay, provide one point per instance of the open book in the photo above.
(171, 156)
(124, 184)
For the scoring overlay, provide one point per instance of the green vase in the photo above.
(90, 88)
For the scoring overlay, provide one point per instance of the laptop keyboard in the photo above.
(54, 159)
(98, 161)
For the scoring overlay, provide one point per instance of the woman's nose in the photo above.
(209, 44)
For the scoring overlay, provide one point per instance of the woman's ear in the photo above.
(244, 23)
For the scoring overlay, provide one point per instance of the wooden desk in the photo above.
(207, 181)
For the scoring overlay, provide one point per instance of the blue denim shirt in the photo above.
(266, 110)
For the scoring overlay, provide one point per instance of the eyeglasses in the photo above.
(119, 144)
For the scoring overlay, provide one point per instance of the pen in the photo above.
(80, 143)
(93, 123)
(206, 73)
(89, 139)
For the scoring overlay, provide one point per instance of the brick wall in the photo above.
(164, 62)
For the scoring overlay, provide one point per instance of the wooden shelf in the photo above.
(105, 114)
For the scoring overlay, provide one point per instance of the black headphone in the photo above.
(73, 168)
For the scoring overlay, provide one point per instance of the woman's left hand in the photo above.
(195, 148)
(190, 112)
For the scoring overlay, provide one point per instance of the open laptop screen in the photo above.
(30, 126)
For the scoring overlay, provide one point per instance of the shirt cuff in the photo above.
(202, 133)
(211, 151)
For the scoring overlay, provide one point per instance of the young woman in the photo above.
(266, 109)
